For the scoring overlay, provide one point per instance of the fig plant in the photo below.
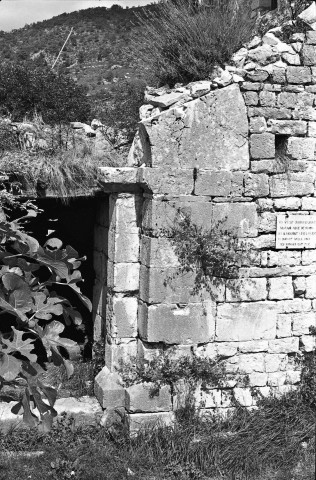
(34, 317)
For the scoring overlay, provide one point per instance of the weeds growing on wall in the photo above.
(183, 40)
(211, 254)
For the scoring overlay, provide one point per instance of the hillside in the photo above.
(96, 54)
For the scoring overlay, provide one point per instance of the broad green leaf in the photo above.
(9, 367)
(49, 392)
(59, 360)
(47, 413)
(12, 281)
(73, 314)
(28, 417)
(53, 244)
(45, 306)
(5, 305)
(18, 345)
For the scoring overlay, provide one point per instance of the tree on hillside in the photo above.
(28, 88)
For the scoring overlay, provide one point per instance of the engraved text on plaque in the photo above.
(296, 231)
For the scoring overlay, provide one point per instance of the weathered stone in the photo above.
(308, 343)
(126, 277)
(311, 287)
(141, 398)
(280, 288)
(85, 410)
(309, 203)
(139, 421)
(309, 55)
(259, 125)
(246, 290)
(284, 325)
(256, 185)
(108, 391)
(311, 37)
(312, 129)
(293, 377)
(250, 363)
(275, 362)
(278, 166)
(291, 185)
(270, 112)
(193, 323)
(272, 87)
(276, 379)
(258, 379)
(123, 248)
(239, 218)
(263, 55)
(251, 86)
(242, 322)
(294, 88)
(299, 75)
(270, 258)
(253, 346)
(284, 345)
(251, 98)
(290, 203)
(158, 252)
(287, 99)
(243, 396)
(294, 306)
(299, 285)
(308, 257)
(237, 184)
(257, 76)
(198, 89)
(287, 127)
(308, 16)
(213, 183)
(302, 322)
(267, 99)
(305, 99)
(155, 180)
(125, 315)
(165, 100)
(211, 398)
(304, 113)
(267, 222)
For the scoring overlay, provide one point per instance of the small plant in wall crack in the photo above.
(211, 254)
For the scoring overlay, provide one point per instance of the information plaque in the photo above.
(296, 231)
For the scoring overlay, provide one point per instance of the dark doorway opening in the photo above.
(73, 223)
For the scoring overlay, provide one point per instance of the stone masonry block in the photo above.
(262, 145)
(308, 343)
(301, 148)
(299, 284)
(213, 184)
(287, 127)
(170, 182)
(298, 75)
(284, 325)
(108, 390)
(139, 421)
(267, 222)
(168, 285)
(248, 289)
(142, 400)
(126, 277)
(302, 321)
(252, 362)
(276, 379)
(251, 98)
(246, 321)
(291, 184)
(287, 99)
(309, 203)
(311, 287)
(309, 55)
(124, 247)
(240, 219)
(125, 315)
(284, 345)
(280, 288)
(158, 252)
(160, 213)
(243, 396)
(256, 185)
(127, 213)
(115, 353)
(237, 185)
(258, 125)
(253, 346)
(275, 362)
(258, 379)
(171, 324)
(267, 99)
(211, 398)
(288, 203)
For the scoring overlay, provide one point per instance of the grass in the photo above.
(69, 165)
(275, 442)
(183, 41)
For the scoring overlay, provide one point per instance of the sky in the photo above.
(17, 13)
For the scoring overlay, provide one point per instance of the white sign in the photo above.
(296, 231)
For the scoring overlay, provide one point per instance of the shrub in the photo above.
(183, 40)
(30, 334)
(25, 89)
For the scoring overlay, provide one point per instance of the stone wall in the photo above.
(239, 149)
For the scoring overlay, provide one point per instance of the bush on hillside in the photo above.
(25, 89)
(183, 40)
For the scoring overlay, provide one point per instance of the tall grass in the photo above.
(183, 40)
